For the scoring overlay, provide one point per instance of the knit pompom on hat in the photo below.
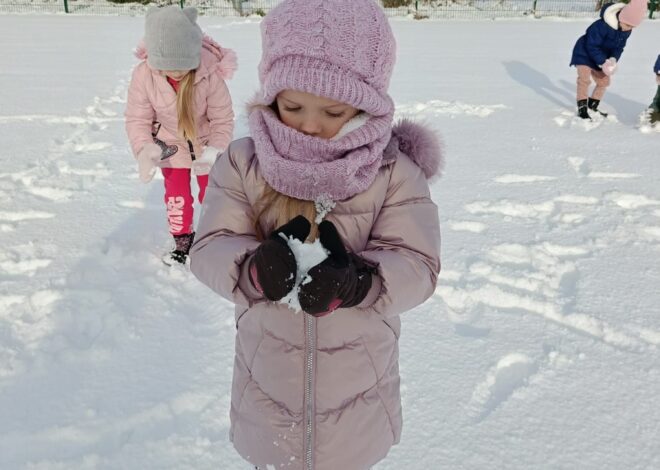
(633, 13)
(343, 50)
(173, 38)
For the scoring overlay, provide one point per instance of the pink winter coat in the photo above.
(151, 105)
(320, 393)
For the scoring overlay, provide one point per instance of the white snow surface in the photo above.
(539, 348)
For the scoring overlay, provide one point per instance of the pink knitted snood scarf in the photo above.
(311, 168)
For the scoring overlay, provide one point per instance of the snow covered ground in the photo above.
(539, 349)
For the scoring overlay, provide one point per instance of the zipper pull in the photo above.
(192, 150)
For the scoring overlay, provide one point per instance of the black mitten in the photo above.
(273, 266)
(342, 280)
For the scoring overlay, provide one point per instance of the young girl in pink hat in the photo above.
(597, 52)
(318, 389)
(179, 114)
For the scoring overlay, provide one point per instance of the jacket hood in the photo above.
(215, 59)
(609, 14)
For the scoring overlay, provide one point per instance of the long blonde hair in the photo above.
(185, 107)
(275, 209)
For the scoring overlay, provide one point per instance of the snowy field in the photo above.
(539, 350)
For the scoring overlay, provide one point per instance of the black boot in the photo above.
(654, 116)
(181, 250)
(582, 109)
(654, 109)
(593, 105)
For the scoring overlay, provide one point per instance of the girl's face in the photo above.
(175, 74)
(625, 26)
(313, 115)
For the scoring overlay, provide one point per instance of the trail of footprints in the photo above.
(66, 171)
(541, 278)
(70, 166)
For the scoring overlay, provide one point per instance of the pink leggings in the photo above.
(585, 75)
(179, 200)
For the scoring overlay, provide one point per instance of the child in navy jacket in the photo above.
(597, 52)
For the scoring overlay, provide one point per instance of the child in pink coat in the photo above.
(179, 113)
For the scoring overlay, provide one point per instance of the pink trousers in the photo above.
(585, 74)
(179, 199)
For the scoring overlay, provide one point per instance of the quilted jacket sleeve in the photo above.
(139, 114)
(404, 243)
(225, 236)
(595, 37)
(220, 114)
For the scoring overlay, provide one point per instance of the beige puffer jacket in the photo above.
(320, 393)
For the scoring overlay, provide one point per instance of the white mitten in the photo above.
(609, 67)
(202, 165)
(147, 161)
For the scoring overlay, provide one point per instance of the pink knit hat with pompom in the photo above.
(339, 49)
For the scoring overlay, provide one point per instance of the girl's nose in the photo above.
(310, 126)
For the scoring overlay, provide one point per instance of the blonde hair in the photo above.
(185, 107)
(275, 209)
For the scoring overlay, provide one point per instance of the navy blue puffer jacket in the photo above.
(603, 39)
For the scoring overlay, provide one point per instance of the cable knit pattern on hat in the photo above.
(340, 49)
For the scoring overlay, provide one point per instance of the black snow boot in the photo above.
(182, 248)
(582, 109)
(654, 116)
(593, 105)
(654, 109)
(656, 101)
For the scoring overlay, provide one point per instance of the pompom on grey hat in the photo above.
(173, 38)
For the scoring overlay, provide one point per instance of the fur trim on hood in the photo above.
(609, 14)
(225, 65)
(422, 145)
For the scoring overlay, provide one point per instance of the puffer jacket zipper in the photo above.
(309, 410)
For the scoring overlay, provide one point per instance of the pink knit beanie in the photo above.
(339, 49)
(633, 13)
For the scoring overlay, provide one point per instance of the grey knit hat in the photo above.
(173, 38)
